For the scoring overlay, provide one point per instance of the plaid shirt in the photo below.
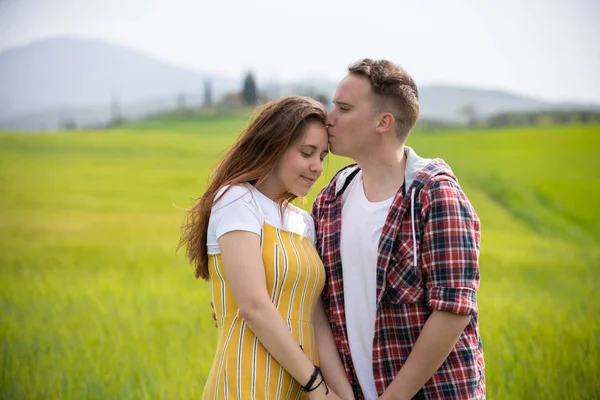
(445, 277)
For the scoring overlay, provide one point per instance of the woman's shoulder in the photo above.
(235, 195)
(234, 192)
(235, 209)
(307, 221)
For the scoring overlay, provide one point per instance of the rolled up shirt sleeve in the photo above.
(450, 252)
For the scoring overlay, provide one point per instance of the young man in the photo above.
(400, 244)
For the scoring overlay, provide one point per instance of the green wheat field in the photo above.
(96, 304)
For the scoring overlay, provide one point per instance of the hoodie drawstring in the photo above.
(412, 224)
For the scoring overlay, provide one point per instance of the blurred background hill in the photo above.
(73, 82)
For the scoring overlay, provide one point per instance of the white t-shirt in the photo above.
(362, 223)
(243, 208)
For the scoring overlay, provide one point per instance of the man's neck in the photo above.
(383, 173)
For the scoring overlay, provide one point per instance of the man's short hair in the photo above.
(394, 89)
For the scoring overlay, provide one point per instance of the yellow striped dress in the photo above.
(242, 367)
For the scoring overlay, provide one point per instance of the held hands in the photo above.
(320, 393)
(332, 396)
(214, 316)
(318, 389)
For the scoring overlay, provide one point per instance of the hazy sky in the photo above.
(544, 48)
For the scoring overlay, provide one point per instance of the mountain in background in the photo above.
(86, 78)
(82, 80)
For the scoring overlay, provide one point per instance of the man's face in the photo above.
(352, 122)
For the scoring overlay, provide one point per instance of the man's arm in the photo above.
(450, 265)
(438, 337)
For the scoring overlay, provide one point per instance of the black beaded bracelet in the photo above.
(311, 381)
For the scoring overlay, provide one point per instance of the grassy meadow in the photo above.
(96, 304)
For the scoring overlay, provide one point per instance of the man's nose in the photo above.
(329, 121)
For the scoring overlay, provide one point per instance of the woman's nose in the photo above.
(317, 166)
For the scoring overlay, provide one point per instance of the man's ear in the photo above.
(386, 122)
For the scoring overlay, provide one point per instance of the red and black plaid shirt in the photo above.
(445, 278)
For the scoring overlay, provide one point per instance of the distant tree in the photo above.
(249, 90)
(208, 101)
(181, 101)
(552, 117)
(68, 124)
(115, 112)
(470, 113)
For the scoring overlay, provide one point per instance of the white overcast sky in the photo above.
(543, 48)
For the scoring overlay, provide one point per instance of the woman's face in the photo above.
(302, 163)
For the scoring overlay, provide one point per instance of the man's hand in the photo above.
(439, 335)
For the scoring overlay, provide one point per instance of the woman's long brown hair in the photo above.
(271, 131)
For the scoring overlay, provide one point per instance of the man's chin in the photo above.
(336, 151)
(333, 150)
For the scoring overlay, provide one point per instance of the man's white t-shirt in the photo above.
(244, 208)
(362, 224)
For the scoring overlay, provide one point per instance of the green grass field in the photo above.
(96, 304)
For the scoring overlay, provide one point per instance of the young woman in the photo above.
(257, 250)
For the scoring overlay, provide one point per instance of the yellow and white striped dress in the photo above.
(242, 367)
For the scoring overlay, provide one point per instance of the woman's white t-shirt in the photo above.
(243, 208)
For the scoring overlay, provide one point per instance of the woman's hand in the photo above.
(214, 316)
(332, 396)
(320, 394)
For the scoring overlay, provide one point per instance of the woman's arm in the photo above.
(245, 273)
(331, 364)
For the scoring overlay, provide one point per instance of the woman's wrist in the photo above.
(313, 380)
(316, 386)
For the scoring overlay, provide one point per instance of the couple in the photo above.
(374, 295)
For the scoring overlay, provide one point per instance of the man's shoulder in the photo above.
(337, 181)
(329, 191)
